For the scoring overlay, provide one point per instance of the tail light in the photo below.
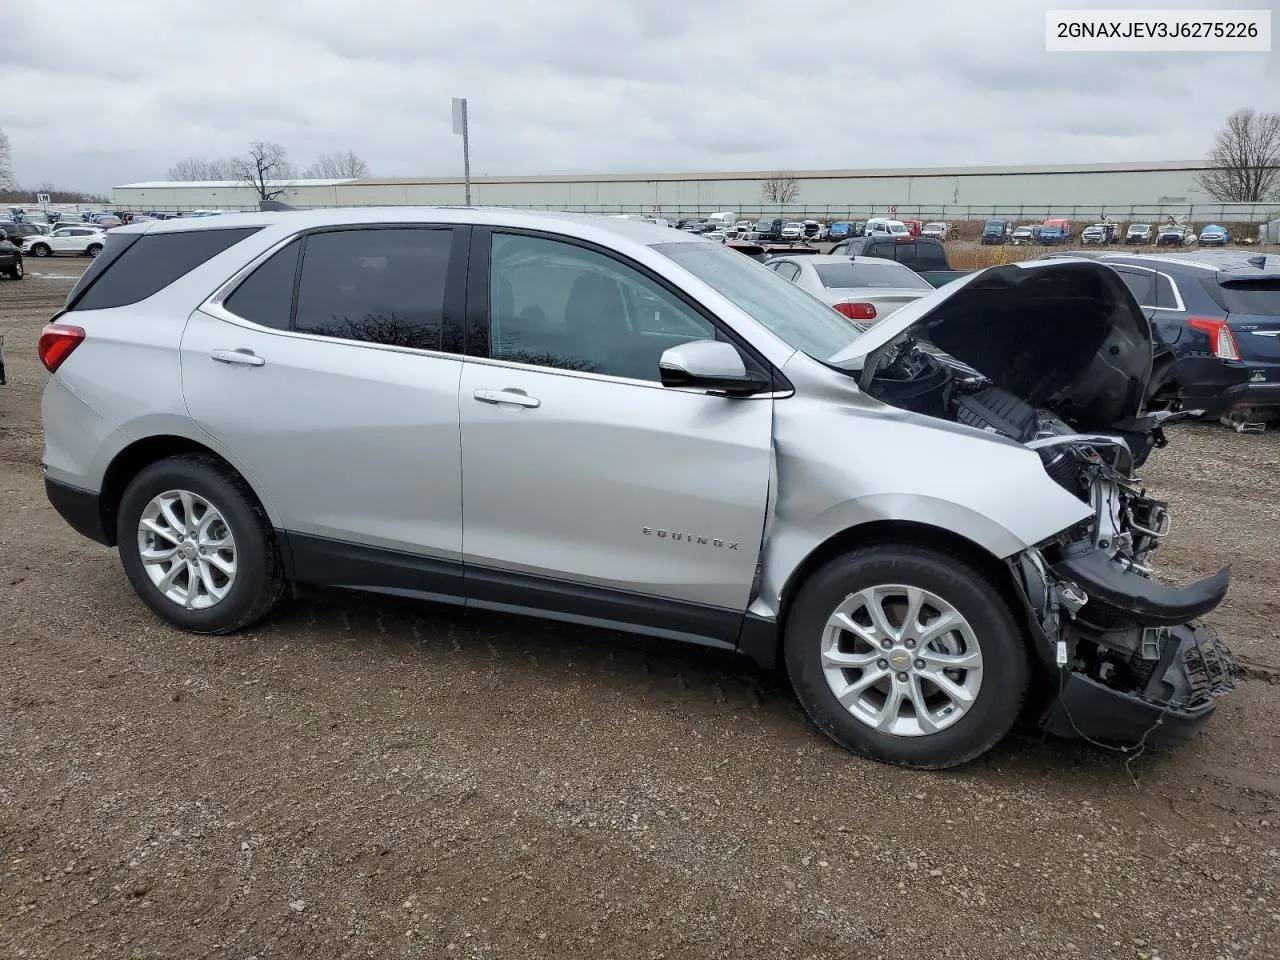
(857, 311)
(1220, 335)
(57, 341)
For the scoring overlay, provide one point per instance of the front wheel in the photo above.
(15, 272)
(906, 655)
(40, 250)
(197, 546)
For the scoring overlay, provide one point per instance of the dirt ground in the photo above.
(363, 778)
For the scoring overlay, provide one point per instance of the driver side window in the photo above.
(559, 305)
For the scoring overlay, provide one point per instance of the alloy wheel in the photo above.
(187, 549)
(901, 659)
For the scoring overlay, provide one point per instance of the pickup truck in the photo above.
(925, 255)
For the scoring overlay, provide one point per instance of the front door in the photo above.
(339, 403)
(590, 490)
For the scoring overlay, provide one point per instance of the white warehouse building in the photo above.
(955, 192)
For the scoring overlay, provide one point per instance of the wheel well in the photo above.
(130, 461)
(901, 533)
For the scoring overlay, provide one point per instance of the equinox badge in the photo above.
(692, 538)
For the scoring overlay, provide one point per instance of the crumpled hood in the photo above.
(1063, 333)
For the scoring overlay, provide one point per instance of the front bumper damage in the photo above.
(1130, 663)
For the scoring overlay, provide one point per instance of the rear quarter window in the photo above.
(141, 265)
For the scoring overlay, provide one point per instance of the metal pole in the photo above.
(466, 152)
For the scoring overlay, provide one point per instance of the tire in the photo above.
(40, 250)
(93, 249)
(258, 574)
(950, 736)
(16, 272)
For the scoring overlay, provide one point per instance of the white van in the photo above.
(884, 227)
(723, 219)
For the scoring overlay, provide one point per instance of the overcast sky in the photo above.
(104, 93)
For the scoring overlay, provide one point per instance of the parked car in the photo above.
(839, 230)
(1223, 309)
(1172, 235)
(1213, 235)
(814, 230)
(10, 257)
(937, 230)
(19, 232)
(924, 256)
(793, 230)
(884, 227)
(996, 231)
(1025, 235)
(769, 228)
(1100, 234)
(860, 288)
(1055, 231)
(914, 227)
(705, 451)
(82, 240)
(1139, 233)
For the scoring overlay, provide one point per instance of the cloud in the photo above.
(113, 93)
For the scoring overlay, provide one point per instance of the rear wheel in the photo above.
(197, 546)
(93, 249)
(15, 272)
(906, 655)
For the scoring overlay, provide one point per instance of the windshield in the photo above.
(763, 224)
(935, 226)
(898, 230)
(797, 318)
(1022, 232)
(884, 274)
(793, 225)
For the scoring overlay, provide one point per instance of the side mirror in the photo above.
(709, 365)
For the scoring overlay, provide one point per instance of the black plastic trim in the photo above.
(760, 640)
(602, 606)
(338, 563)
(1088, 709)
(80, 508)
(1145, 601)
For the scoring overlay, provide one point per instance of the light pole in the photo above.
(460, 128)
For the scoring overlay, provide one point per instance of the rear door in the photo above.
(341, 401)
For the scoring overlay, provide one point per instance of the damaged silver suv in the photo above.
(932, 523)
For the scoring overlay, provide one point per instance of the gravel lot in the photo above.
(364, 778)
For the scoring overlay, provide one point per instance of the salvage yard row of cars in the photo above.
(677, 413)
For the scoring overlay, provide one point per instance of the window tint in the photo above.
(556, 304)
(266, 295)
(147, 265)
(1166, 296)
(788, 271)
(375, 286)
(1260, 297)
(882, 248)
(1141, 284)
(884, 274)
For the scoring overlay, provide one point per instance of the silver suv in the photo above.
(930, 523)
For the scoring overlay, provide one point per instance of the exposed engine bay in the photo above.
(1063, 363)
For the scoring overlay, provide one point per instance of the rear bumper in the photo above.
(1218, 404)
(80, 508)
(1170, 709)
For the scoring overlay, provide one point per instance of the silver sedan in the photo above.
(861, 288)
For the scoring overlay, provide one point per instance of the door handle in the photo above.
(246, 357)
(519, 398)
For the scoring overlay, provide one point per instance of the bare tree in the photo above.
(1244, 164)
(6, 158)
(345, 165)
(264, 169)
(204, 168)
(780, 187)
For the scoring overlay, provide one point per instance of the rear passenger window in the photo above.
(266, 296)
(150, 264)
(375, 286)
(1141, 285)
(1166, 296)
(928, 257)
